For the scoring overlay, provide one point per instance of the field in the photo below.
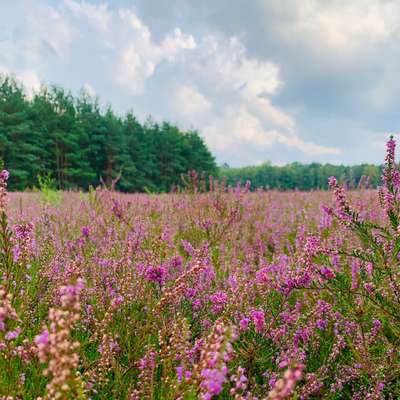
(223, 294)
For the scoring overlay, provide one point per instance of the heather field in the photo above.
(226, 294)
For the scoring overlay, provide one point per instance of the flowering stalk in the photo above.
(9, 333)
(284, 387)
(6, 246)
(211, 372)
(388, 193)
(57, 349)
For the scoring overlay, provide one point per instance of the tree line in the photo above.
(80, 145)
(303, 176)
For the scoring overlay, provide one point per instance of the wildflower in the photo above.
(24, 240)
(240, 381)
(258, 317)
(345, 214)
(156, 274)
(4, 175)
(11, 335)
(55, 346)
(86, 231)
(212, 370)
(117, 209)
(218, 300)
(327, 273)
(284, 387)
(244, 324)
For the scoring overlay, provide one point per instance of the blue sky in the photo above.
(278, 80)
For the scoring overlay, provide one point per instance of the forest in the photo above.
(80, 144)
(297, 176)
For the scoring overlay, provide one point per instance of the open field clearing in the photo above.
(224, 294)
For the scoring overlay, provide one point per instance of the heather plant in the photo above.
(211, 292)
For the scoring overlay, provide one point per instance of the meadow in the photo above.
(223, 294)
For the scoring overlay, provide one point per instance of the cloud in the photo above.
(192, 102)
(137, 62)
(97, 15)
(280, 86)
(36, 36)
(175, 42)
(307, 147)
(237, 108)
(336, 25)
(238, 127)
(133, 70)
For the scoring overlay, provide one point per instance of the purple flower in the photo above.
(332, 181)
(244, 324)
(43, 339)
(86, 231)
(213, 380)
(13, 334)
(258, 317)
(4, 175)
(179, 372)
(218, 300)
(327, 273)
(156, 274)
(321, 324)
(117, 209)
(188, 248)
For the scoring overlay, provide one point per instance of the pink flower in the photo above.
(86, 231)
(258, 317)
(244, 324)
(13, 334)
(156, 274)
(4, 175)
(43, 339)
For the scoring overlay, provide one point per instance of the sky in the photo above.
(277, 80)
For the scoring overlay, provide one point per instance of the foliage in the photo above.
(49, 194)
(80, 145)
(296, 176)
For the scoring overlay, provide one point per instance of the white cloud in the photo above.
(328, 25)
(49, 33)
(192, 102)
(241, 89)
(209, 81)
(97, 15)
(238, 127)
(176, 41)
(138, 60)
(307, 147)
(135, 23)
(133, 70)
(264, 107)
(233, 68)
